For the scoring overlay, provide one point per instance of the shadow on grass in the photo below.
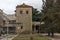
(29, 37)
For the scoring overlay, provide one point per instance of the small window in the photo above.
(4, 21)
(21, 12)
(26, 12)
(21, 27)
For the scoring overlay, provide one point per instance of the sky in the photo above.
(8, 6)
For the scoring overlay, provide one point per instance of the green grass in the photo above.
(28, 37)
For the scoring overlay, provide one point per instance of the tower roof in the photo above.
(23, 6)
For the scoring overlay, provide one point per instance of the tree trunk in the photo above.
(48, 33)
(52, 34)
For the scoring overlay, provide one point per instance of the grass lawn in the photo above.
(28, 37)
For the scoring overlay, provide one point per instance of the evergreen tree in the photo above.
(35, 15)
(51, 10)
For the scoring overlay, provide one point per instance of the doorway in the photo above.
(35, 28)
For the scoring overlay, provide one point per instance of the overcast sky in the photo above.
(8, 6)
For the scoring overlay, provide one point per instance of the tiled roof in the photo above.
(23, 6)
(9, 17)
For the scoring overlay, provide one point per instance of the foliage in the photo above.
(35, 15)
(51, 11)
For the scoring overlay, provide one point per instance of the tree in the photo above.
(35, 15)
(51, 11)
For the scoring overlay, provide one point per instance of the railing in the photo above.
(10, 25)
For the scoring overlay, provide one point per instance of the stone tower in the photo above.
(24, 18)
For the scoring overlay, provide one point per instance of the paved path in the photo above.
(56, 37)
(10, 37)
